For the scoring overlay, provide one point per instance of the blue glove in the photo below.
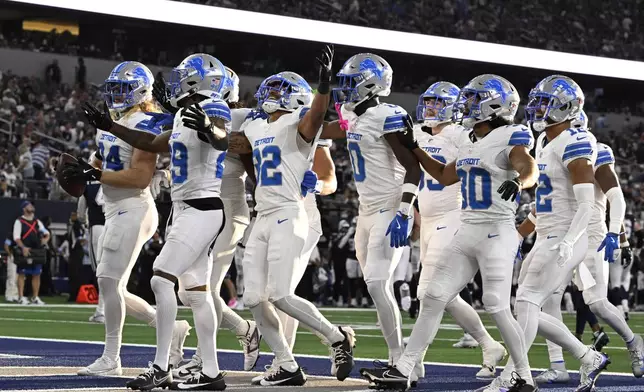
(611, 245)
(399, 230)
(309, 182)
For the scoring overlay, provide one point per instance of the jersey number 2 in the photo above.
(543, 204)
(266, 163)
(179, 162)
(468, 188)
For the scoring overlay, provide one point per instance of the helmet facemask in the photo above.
(279, 93)
(434, 110)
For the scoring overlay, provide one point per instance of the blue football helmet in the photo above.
(436, 103)
(554, 100)
(129, 84)
(485, 98)
(198, 73)
(362, 77)
(285, 91)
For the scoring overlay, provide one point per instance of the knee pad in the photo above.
(106, 285)
(492, 302)
(377, 288)
(435, 291)
(183, 297)
(196, 299)
(158, 283)
(251, 299)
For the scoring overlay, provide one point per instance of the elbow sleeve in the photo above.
(585, 196)
(617, 209)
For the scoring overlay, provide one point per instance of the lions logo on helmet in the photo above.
(436, 103)
(285, 91)
(129, 84)
(362, 77)
(197, 74)
(230, 90)
(485, 98)
(581, 121)
(554, 100)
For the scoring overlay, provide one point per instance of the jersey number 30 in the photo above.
(357, 162)
(468, 188)
(266, 163)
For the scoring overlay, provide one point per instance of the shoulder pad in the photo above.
(217, 108)
(518, 135)
(393, 116)
(255, 114)
(605, 155)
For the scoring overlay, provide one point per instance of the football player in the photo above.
(197, 212)
(493, 164)
(440, 210)
(282, 148)
(130, 213)
(386, 176)
(565, 200)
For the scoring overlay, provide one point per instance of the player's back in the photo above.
(556, 204)
(195, 166)
(377, 173)
(280, 156)
(483, 165)
(117, 155)
(232, 181)
(435, 199)
(597, 226)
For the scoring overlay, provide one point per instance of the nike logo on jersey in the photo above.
(441, 227)
(493, 235)
(551, 236)
(581, 137)
(280, 221)
(122, 212)
(384, 210)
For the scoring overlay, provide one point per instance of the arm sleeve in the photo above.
(617, 209)
(17, 229)
(585, 196)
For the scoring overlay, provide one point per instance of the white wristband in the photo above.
(319, 185)
(410, 188)
(405, 208)
(532, 218)
(624, 244)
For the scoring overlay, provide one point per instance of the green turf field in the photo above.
(72, 323)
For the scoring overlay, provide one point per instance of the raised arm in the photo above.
(310, 124)
(324, 167)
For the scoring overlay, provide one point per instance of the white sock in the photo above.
(613, 317)
(467, 318)
(205, 317)
(100, 308)
(424, 331)
(166, 315)
(552, 307)
(229, 319)
(114, 315)
(141, 310)
(272, 333)
(514, 339)
(382, 295)
(289, 325)
(557, 332)
(309, 315)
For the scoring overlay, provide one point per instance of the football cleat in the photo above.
(499, 384)
(520, 385)
(600, 339)
(491, 359)
(636, 351)
(186, 370)
(592, 364)
(153, 377)
(201, 382)
(552, 376)
(467, 341)
(98, 318)
(103, 366)
(386, 378)
(343, 353)
(250, 342)
(277, 375)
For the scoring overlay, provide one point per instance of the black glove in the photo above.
(326, 62)
(195, 118)
(81, 171)
(510, 188)
(99, 119)
(160, 93)
(407, 137)
(627, 256)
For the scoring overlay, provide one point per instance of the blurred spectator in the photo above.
(26, 166)
(53, 74)
(81, 74)
(40, 157)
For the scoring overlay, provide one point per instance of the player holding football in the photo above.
(493, 156)
(130, 214)
(440, 211)
(198, 215)
(386, 176)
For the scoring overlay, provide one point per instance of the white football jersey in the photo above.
(435, 199)
(195, 166)
(483, 165)
(232, 182)
(556, 204)
(117, 155)
(281, 157)
(597, 225)
(376, 171)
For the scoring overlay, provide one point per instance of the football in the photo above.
(74, 188)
